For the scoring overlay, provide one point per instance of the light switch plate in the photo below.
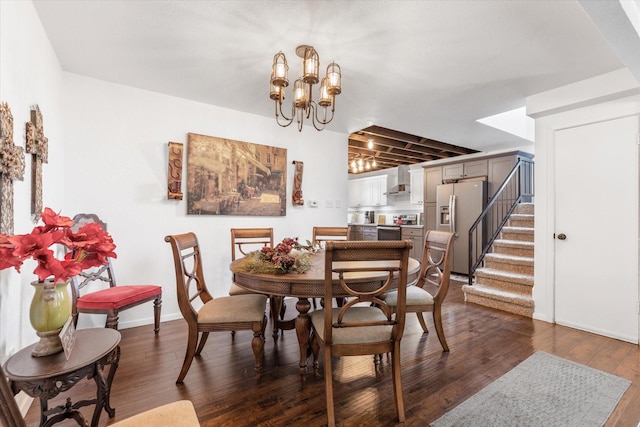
(313, 203)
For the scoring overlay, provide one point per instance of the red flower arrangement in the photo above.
(88, 247)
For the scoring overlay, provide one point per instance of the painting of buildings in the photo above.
(227, 177)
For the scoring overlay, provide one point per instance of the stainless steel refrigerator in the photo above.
(459, 206)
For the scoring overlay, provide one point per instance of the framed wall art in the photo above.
(227, 177)
(174, 177)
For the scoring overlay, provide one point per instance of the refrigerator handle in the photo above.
(452, 212)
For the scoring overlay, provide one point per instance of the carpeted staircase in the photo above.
(505, 282)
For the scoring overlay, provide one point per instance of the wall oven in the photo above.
(389, 232)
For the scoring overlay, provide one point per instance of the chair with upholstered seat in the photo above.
(229, 313)
(320, 236)
(435, 271)
(365, 324)
(176, 414)
(244, 241)
(324, 234)
(113, 299)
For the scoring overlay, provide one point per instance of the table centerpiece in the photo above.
(288, 256)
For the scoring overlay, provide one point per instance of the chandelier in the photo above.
(362, 163)
(303, 105)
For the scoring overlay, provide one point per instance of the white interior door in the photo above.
(596, 208)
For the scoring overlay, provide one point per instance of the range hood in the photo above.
(401, 186)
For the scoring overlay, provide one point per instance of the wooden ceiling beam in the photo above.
(389, 145)
(390, 158)
(394, 148)
(379, 132)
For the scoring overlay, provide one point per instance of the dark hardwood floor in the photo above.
(484, 343)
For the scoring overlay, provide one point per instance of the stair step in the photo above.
(522, 220)
(518, 233)
(498, 295)
(513, 247)
(525, 208)
(509, 263)
(518, 284)
(505, 282)
(500, 300)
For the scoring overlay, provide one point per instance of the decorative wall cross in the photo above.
(37, 146)
(11, 168)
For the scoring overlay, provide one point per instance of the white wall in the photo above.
(29, 74)
(116, 145)
(108, 155)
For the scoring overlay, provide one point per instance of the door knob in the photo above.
(562, 236)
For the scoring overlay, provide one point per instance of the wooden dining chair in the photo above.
(177, 414)
(230, 313)
(435, 271)
(113, 299)
(324, 234)
(356, 328)
(244, 241)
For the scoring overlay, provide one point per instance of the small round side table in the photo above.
(46, 377)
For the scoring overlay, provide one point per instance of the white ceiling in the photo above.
(428, 68)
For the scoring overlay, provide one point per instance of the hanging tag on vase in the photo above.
(68, 337)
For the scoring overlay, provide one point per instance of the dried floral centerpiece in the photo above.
(288, 256)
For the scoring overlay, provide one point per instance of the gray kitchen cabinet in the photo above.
(465, 170)
(355, 232)
(499, 168)
(432, 178)
(430, 216)
(369, 232)
(363, 232)
(416, 234)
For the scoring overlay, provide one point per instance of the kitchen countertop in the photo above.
(375, 225)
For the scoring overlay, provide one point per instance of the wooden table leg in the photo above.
(104, 386)
(303, 331)
(44, 407)
(68, 411)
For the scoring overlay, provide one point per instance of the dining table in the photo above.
(304, 286)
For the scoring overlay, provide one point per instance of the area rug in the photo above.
(544, 390)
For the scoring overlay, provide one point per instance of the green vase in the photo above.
(50, 309)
